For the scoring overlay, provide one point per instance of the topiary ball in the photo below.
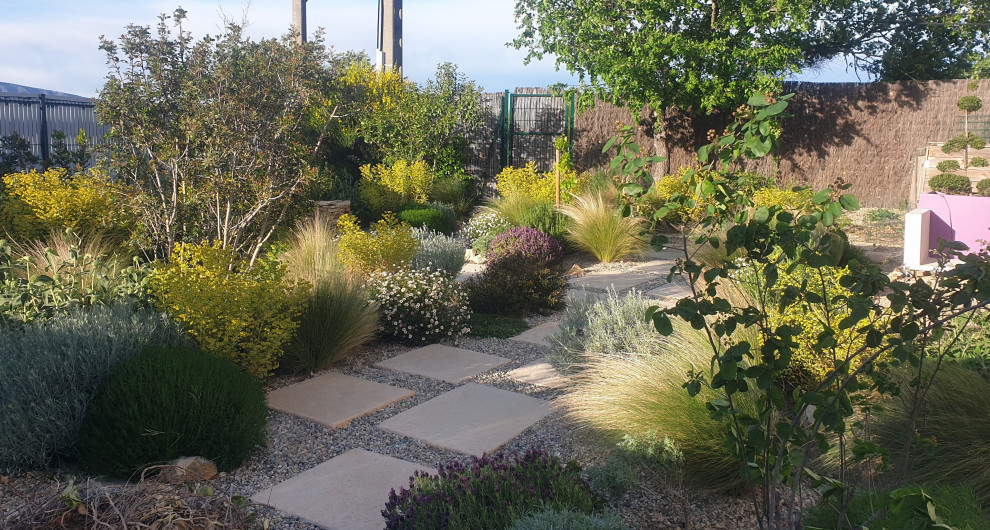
(167, 403)
(948, 165)
(978, 161)
(983, 188)
(951, 183)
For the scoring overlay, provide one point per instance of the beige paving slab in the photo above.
(347, 492)
(335, 399)
(539, 372)
(539, 334)
(472, 418)
(676, 289)
(446, 363)
(620, 281)
(656, 266)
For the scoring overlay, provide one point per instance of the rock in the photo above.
(188, 469)
(576, 271)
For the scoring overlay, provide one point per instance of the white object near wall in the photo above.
(916, 226)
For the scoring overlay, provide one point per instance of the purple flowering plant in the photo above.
(488, 492)
(527, 242)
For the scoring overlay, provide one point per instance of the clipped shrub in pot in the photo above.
(951, 183)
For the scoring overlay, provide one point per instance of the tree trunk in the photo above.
(661, 140)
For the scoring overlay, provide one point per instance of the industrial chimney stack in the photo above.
(390, 35)
(299, 20)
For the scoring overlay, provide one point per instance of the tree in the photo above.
(210, 134)
(697, 56)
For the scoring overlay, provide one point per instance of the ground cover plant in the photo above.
(420, 306)
(49, 371)
(165, 403)
(488, 492)
(570, 519)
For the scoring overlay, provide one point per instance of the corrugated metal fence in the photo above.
(36, 116)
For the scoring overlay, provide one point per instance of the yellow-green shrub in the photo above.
(666, 187)
(411, 180)
(526, 181)
(388, 245)
(790, 199)
(244, 314)
(37, 204)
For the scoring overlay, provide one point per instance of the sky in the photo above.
(54, 44)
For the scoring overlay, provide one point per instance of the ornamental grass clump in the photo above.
(489, 492)
(598, 227)
(420, 306)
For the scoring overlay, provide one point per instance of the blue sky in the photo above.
(53, 44)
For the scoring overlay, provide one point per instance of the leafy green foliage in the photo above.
(412, 181)
(170, 402)
(15, 154)
(545, 218)
(983, 188)
(969, 104)
(438, 251)
(963, 141)
(230, 309)
(425, 217)
(956, 507)
(455, 192)
(50, 370)
(465, 496)
(44, 279)
(948, 165)
(881, 214)
(951, 183)
(978, 161)
(387, 246)
(420, 306)
(210, 135)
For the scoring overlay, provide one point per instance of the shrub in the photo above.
(40, 203)
(613, 326)
(410, 180)
(454, 192)
(420, 306)
(978, 161)
(554, 518)
(518, 284)
(171, 402)
(438, 251)
(962, 142)
(527, 242)
(50, 370)
(374, 200)
(969, 104)
(423, 217)
(528, 182)
(598, 227)
(661, 192)
(239, 313)
(955, 506)
(480, 246)
(450, 218)
(489, 492)
(545, 218)
(797, 198)
(387, 246)
(983, 187)
(951, 183)
(39, 280)
(486, 222)
(948, 165)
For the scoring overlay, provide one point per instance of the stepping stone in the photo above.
(469, 270)
(335, 399)
(539, 334)
(676, 289)
(472, 419)
(347, 492)
(620, 281)
(437, 361)
(655, 267)
(539, 372)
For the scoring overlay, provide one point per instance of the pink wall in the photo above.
(964, 218)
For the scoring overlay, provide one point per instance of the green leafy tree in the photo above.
(900, 327)
(210, 134)
(15, 154)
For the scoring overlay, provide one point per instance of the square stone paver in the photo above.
(620, 281)
(347, 492)
(539, 372)
(472, 419)
(677, 289)
(335, 399)
(539, 334)
(437, 361)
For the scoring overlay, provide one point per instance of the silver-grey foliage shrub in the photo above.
(614, 326)
(49, 370)
(438, 251)
(552, 518)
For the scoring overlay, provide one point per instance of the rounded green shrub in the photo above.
(978, 161)
(969, 104)
(419, 216)
(546, 218)
(518, 284)
(167, 403)
(951, 183)
(50, 369)
(948, 165)
(983, 188)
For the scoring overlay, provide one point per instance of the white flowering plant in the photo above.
(487, 222)
(420, 306)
